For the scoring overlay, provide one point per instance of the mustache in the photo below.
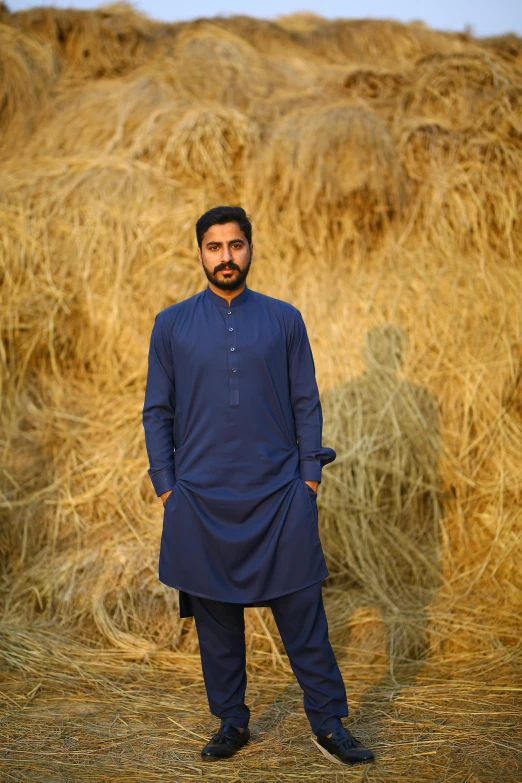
(230, 265)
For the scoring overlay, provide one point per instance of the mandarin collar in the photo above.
(222, 302)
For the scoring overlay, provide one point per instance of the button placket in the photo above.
(233, 380)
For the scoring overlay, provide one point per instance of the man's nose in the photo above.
(226, 255)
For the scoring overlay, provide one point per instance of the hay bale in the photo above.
(374, 84)
(330, 170)
(104, 116)
(200, 144)
(467, 186)
(213, 64)
(290, 68)
(493, 168)
(458, 130)
(109, 41)
(264, 35)
(508, 46)
(501, 116)
(143, 119)
(359, 41)
(66, 311)
(111, 589)
(455, 88)
(426, 147)
(28, 71)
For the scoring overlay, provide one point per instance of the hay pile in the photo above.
(381, 165)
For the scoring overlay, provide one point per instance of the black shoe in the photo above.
(343, 748)
(225, 743)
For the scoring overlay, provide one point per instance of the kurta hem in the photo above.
(247, 604)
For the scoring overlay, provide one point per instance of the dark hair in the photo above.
(224, 215)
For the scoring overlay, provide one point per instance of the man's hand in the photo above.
(313, 485)
(165, 495)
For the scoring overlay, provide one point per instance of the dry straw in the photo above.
(107, 42)
(333, 169)
(381, 166)
(28, 71)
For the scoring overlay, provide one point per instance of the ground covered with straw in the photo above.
(380, 164)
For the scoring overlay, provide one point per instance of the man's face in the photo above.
(225, 255)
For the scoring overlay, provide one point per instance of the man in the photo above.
(233, 429)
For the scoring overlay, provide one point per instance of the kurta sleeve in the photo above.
(158, 410)
(306, 404)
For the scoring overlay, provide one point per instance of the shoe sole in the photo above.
(334, 759)
(225, 758)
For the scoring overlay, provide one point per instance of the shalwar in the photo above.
(233, 426)
(302, 623)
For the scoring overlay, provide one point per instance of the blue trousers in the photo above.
(302, 624)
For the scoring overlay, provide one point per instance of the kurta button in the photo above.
(230, 328)
(233, 369)
(232, 349)
(229, 312)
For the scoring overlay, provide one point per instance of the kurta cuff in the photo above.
(311, 467)
(310, 470)
(162, 480)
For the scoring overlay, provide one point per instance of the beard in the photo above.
(235, 281)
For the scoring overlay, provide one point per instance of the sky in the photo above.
(482, 17)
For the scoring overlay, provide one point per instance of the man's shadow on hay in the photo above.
(380, 512)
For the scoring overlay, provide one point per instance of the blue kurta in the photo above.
(233, 426)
